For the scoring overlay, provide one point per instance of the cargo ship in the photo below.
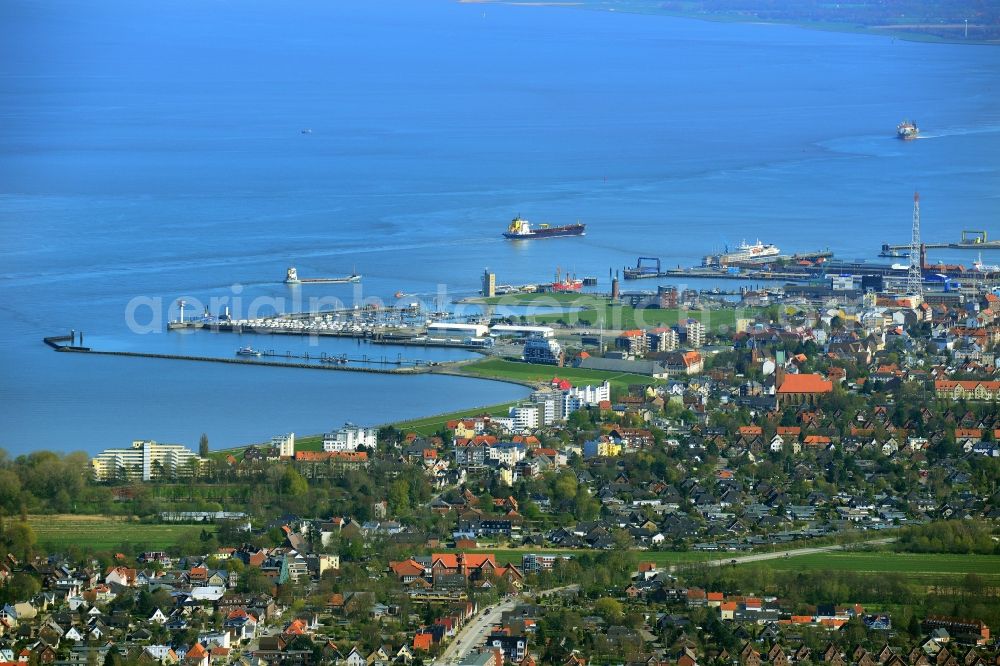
(907, 130)
(520, 229)
(292, 277)
(980, 267)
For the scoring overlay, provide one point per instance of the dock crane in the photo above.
(644, 267)
(970, 237)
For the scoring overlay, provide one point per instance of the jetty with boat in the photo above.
(970, 240)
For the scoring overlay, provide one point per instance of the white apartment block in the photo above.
(349, 438)
(695, 333)
(526, 417)
(663, 340)
(285, 445)
(584, 396)
(550, 404)
(507, 453)
(144, 460)
(505, 423)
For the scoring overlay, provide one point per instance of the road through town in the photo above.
(476, 630)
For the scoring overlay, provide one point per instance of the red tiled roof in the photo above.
(968, 385)
(405, 568)
(805, 384)
(478, 440)
(321, 456)
(691, 357)
(450, 560)
(296, 627)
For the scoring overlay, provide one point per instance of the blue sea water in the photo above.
(155, 151)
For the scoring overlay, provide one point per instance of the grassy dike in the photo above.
(528, 372)
(595, 310)
(495, 369)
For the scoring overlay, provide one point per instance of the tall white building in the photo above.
(695, 333)
(663, 339)
(285, 445)
(550, 404)
(349, 438)
(526, 417)
(584, 396)
(144, 460)
(538, 349)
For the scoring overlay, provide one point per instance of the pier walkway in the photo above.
(55, 341)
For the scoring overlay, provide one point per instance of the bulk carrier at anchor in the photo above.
(520, 229)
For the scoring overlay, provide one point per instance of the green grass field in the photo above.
(431, 424)
(529, 372)
(106, 533)
(661, 558)
(554, 299)
(622, 317)
(926, 565)
(923, 567)
(597, 310)
(309, 443)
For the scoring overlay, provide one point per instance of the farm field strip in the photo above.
(661, 558)
(102, 532)
(892, 562)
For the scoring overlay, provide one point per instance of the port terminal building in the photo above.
(446, 329)
(515, 331)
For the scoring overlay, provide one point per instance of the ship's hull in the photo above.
(733, 257)
(333, 280)
(907, 130)
(550, 232)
